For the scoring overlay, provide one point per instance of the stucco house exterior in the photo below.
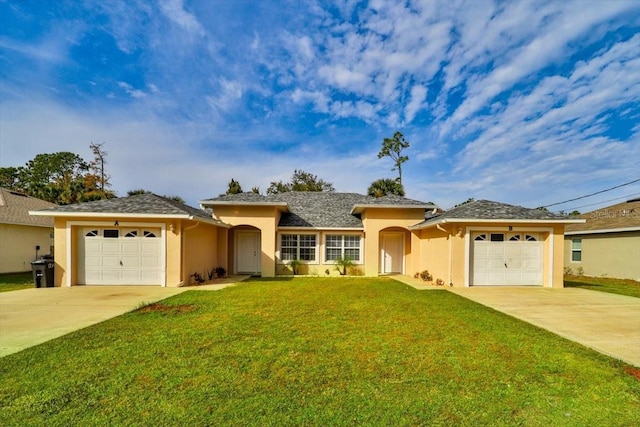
(138, 240)
(486, 243)
(480, 243)
(607, 244)
(316, 228)
(22, 235)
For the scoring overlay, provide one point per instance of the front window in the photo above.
(576, 250)
(342, 246)
(298, 246)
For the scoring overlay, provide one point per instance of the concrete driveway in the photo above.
(608, 323)
(32, 316)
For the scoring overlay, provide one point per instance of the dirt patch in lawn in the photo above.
(635, 372)
(168, 309)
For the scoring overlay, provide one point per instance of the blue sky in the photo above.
(524, 102)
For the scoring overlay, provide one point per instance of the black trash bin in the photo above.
(43, 270)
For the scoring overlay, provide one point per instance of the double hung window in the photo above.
(302, 247)
(342, 246)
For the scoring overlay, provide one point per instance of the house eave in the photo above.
(495, 221)
(327, 229)
(127, 216)
(601, 231)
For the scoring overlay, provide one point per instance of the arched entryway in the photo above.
(393, 250)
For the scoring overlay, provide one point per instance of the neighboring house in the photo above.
(607, 244)
(480, 243)
(22, 236)
(138, 240)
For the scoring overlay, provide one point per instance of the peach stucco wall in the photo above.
(187, 249)
(263, 218)
(445, 252)
(378, 220)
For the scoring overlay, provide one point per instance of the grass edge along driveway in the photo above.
(315, 352)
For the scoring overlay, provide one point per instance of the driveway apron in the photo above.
(605, 322)
(32, 316)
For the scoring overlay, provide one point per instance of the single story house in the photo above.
(23, 237)
(607, 244)
(480, 243)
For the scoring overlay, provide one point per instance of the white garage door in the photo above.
(506, 259)
(120, 256)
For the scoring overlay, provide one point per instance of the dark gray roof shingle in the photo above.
(148, 204)
(488, 210)
(322, 209)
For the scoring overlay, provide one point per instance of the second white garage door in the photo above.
(511, 259)
(120, 256)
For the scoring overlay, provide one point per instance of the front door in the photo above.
(392, 253)
(248, 252)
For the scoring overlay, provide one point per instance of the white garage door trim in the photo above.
(81, 225)
(546, 243)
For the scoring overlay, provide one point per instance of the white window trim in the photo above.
(467, 247)
(317, 247)
(324, 247)
(576, 250)
(70, 243)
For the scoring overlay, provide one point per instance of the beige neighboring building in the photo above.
(607, 244)
(20, 233)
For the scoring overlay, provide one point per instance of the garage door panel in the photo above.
(150, 262)
(513, 261)
(110, 261)
(128, 258)
(130, 247)
(131, 262)
(493, 249)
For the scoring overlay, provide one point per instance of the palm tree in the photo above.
(382, 187)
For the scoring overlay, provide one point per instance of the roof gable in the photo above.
(318, 209)
(487, 210)
(143, 205)
(15, 207)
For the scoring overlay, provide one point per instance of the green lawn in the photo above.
(322, 351)
(604, 284)
(16, 281)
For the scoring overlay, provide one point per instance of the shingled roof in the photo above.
(619, 217)
(15, 207)
(140, 205)
(488, 211)
(319, 209)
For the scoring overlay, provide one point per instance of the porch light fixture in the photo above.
(510, 228)
(115, 224)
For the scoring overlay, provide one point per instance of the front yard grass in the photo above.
(604, 284)
(312, 352)
(16, 281)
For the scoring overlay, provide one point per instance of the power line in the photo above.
(604, 201)
(592, 194)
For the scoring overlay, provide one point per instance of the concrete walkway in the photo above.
(32, 316)
(605, 322)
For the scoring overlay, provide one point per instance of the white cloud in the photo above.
(174, 10)
(131, 91)
(418, 96)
